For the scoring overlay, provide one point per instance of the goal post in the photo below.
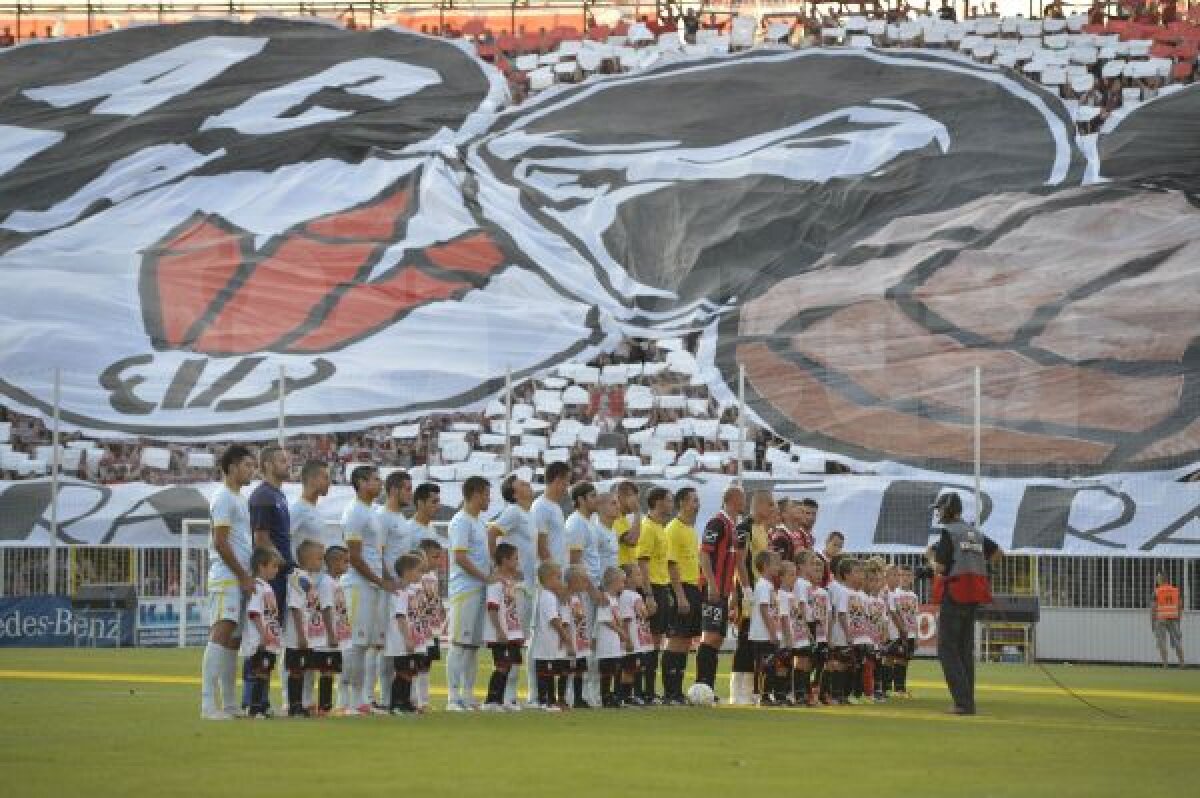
(189, 529)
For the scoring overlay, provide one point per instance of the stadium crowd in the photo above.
(641, 410)
(598, 604)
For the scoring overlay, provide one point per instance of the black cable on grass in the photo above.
(1079, 698)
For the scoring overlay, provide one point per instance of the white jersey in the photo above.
(801, 612)
(361, 523)
(433, 610)
(502, 597)
(426, 532)
(516, 527)
(607, 545)
(329, 596)
(576, 615)
(232, 510)
(302, 597)
(398, 536)
(395, 643)
(581, 538)
(261, 603)
(468, 534)
(607, 641)
(643, 639)
(784, 604)
(548, 520)
(764, 596)
(547, 645)
(818, 603)
(839, 604)
(907, 606)
(630, 608)
(859, 604)
(308, 525)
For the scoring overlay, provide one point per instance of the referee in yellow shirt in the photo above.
(683, 565)
(628, 526)
(652, 560)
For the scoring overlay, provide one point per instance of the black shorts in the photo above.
(910, 647)
(685, 624)
(298, 659)
(506, 653)
(551, 667)
(327, 661)
(631, 663)
(435, 650)
(714, 616)
(580, 665)
(764, 652)
(805, 650)
(894, 648)
(422, 661)
(405, 664)
(262, 660)
(610, 666)
(842, 654)
(662, 600)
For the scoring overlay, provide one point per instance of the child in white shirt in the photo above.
(403, 641)
(261, 640)
(612, 635)
(502, 630)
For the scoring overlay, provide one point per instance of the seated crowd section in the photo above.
(642, 411)
(1114, 56)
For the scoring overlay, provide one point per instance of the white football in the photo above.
(701, 695)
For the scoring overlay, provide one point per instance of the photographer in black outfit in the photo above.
(959, 560)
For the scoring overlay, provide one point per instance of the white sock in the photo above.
(423, 689)
(370, 675)
(310, 678)
(591, 681)
(387, 672)
(354, 669)
(470, 668)
(227, 676)
(210, 677)
(454, 659)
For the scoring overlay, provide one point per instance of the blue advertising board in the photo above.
(52, 621)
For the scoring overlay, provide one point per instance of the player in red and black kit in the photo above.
(794, 533)
(722, 555)
(833, 549)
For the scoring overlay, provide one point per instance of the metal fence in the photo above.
(1060, 582)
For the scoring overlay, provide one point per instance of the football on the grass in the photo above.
(701, 695)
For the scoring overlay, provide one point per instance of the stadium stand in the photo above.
(641, 411)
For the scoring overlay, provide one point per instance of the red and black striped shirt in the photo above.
(722, 542)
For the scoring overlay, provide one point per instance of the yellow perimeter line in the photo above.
(152, 678)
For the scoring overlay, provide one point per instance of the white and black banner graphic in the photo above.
(186, 210)
(1127, 517)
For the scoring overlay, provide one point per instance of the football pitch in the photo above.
(126, 722)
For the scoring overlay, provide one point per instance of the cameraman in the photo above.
(959, 558)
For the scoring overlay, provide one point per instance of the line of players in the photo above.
(593, 596)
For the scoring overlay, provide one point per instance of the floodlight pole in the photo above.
(183, 586)
(741, 453)
(978, 445)
(508, 420)
(54, 465)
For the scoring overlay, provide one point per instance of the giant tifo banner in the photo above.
(1135, 516)
(185, 210)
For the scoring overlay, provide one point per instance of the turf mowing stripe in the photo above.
(1130, 695)
(1089, 692)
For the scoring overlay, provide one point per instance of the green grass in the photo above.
(130, 737)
